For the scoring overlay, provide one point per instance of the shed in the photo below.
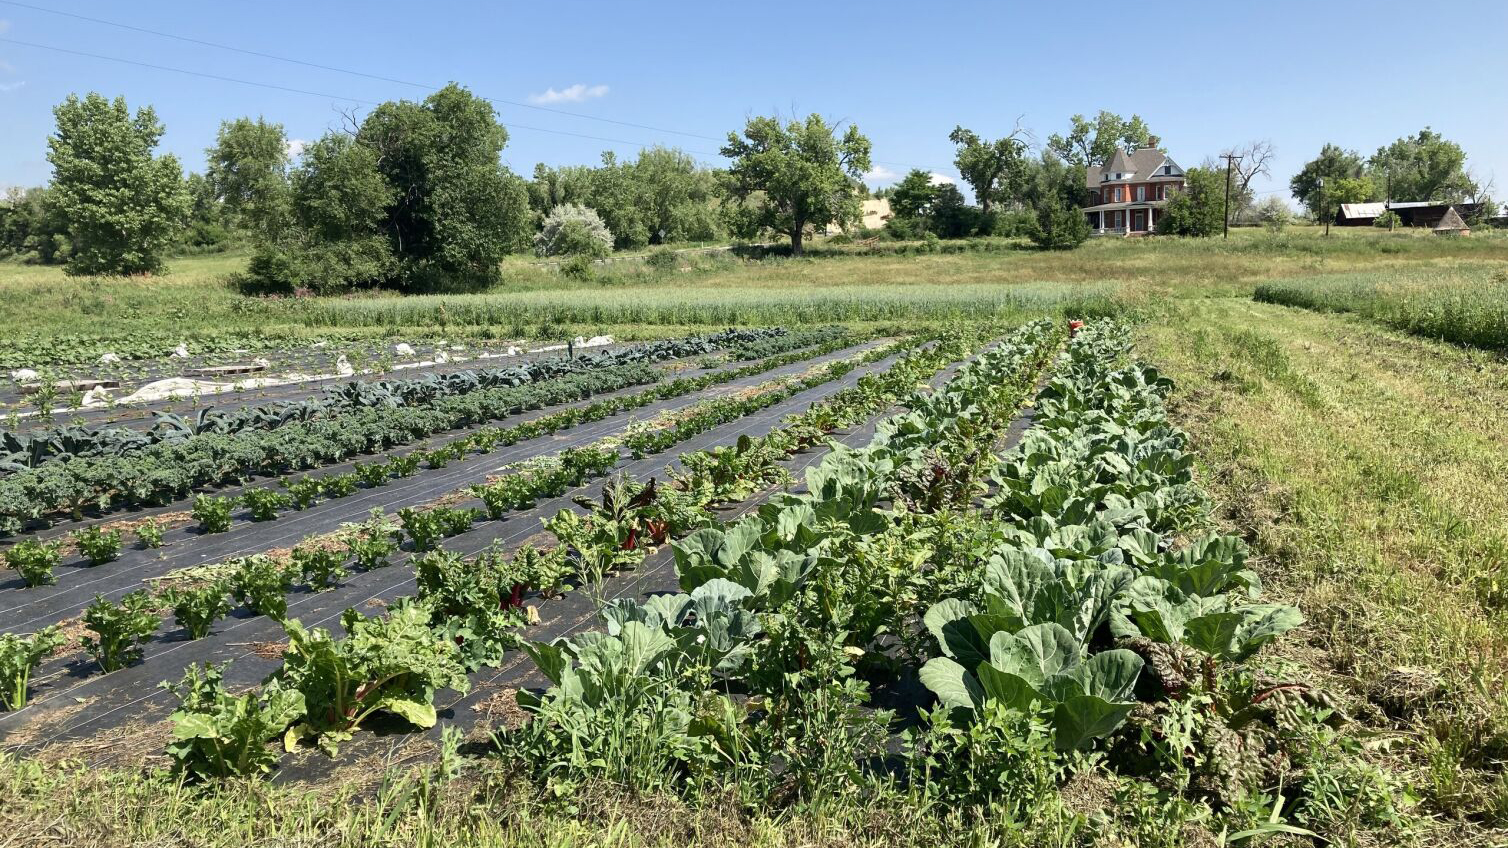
(1452, 225)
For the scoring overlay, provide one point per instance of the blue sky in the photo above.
(1205, 75)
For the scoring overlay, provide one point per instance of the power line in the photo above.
(290, 89)
(339, 70)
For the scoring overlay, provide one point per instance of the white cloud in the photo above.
(572, 94)
(295, 147)
(939, 179)
(880, 174)
(11, 86)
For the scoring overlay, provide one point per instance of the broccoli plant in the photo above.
(261, 583)
(19, 657)
(197, 608)
(392, 664)
(120, 629)
(213, 513)
(34, 560)
(265, 503)
(98, 546)
(216, 734)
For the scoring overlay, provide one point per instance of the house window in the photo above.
(1167, 169)
(1141, 192)
(1117, 194)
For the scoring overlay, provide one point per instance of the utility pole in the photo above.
(1324, 207)
(1388, 206)
(1228, 157)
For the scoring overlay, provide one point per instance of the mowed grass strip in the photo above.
(1369, 471)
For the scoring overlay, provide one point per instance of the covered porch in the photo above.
(1122, 219)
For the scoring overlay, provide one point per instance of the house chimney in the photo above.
(1152, 141)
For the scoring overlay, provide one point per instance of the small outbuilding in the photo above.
(1451, 224)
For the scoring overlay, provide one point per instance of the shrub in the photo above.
(1058, 228)
(573, 230)
(1273, 214)
(98, 546)
(665, 259)
(120, 629)
(1387, 220)
(213, 513)
(33, 560)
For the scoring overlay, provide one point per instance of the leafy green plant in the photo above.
(98, 546)
(544, 569)
(406, 465)
(34, 560)
(149, 533)
(373, 541)
(340, 485)
(319, 567)
(265, 503)
(197, 608)
(261, 583)
(120, 629)
(392, 664)
(19, 657)
(216, 734)
(373, 475)
(1043, 666)
(213, 513)
(304, 491)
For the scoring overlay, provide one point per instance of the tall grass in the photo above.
(1466, 305)
(719, 306)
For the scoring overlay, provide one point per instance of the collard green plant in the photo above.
(1043, 667)
(1220, 626)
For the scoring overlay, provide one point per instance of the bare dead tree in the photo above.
(1256, 160)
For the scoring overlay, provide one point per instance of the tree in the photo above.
(1198, 209)
(1253, 159)
(32, 228)
(123, 205)
(1094, 142)
(1426, 166)
(456, 211)
(661, 196)
(1051, 189)
(1333, 163)
(993, 169)
(248, 170)
(804, 173)
(950, 216)
(1273, 214)
(913, 196)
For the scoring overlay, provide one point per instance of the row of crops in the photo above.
(961, 607)
(117, 631)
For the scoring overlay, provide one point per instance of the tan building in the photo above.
(873, 214)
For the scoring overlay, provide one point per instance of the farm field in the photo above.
(846, 550)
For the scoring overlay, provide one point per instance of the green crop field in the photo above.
(786, 563)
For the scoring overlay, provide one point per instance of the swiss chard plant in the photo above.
(34, 560)
(264, 504)
(262, 583)
(197, 608)
(213, 513)
(19, 657)
(373, 541)
(149, 533)
(319, 567)
(392, 664)
(98, 545)
(119, 629)
(220, 735)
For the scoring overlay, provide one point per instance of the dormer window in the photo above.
(1167, 169)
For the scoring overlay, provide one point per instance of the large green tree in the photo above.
(123, 205)
(1093, 142)
(32, 228)
(1052, 189)
(1425, 166)
(799, 174)
(993, 169)
(660, 196)
(1197, 209)
(248, 170)
(913, 196)
(1333, 163)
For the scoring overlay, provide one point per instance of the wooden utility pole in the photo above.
(1228, 157)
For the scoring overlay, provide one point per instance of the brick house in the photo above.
(1127, 192)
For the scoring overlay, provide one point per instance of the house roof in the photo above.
(1451, 221)
(1363, 210)
(1138, 166)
